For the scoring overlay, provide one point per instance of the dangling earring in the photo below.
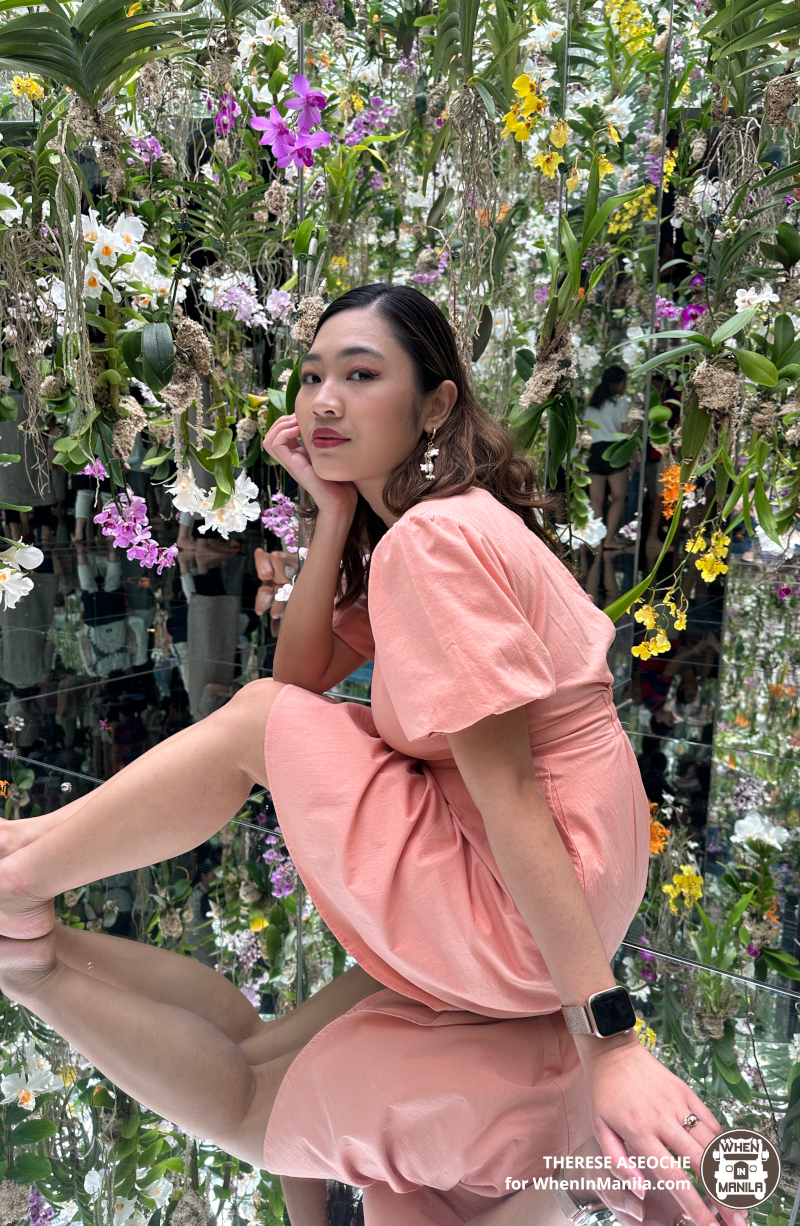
(427, 463)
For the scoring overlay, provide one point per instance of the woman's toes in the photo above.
(27, 966)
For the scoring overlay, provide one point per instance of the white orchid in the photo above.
(160, 1192)
(93, 1182)
(123, 1210)
(544, 34)
(23, 555)
(94, 282)
(753, 297)
(757, 828)
(108, 247)
(91, 226)
(13, 586)
(186, 493)
(233, 515)
(13, 214)
(592, 534)
(130, 230)
(23, 1089)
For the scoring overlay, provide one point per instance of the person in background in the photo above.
(606, 415)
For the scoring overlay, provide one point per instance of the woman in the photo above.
(605, 417)
(478, 839)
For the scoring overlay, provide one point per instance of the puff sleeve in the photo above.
(353, 626)
(453, 638)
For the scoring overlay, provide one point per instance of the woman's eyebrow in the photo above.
(350, 352)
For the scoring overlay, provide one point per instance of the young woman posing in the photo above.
(478, 840)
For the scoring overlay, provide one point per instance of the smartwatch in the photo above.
(603, 1014)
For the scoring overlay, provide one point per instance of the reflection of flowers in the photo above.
(13, 586)
(658, 837)
(756, 828)
(687, 884)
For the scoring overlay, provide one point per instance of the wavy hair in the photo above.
(473, 448)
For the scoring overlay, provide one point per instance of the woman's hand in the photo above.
(638, 1107)
(282, 443)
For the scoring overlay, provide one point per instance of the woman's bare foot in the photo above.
(22, 914)
(26, 967)
(22, 831)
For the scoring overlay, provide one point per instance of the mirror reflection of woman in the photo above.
(606, 415)
(478, 839)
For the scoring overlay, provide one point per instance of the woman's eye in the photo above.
(361, 376)
(308, 375)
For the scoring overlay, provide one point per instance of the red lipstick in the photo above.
(325, 437)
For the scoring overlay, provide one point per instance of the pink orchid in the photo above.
(277, 134)
(308, 102)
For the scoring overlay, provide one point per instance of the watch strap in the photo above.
(577, 1019)
(579, 1208)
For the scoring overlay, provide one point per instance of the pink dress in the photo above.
(469, 614)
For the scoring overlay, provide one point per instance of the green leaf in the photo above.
(756, 368)
(733, 325)
(783, 330)
(222, 442)
(28, 1168)
(130, 343)
(293, 386)
(661, 359)
(789, 239)
(31, 1131)
(766, 516)
(303, 237)
(157, 355)
(524, 362)
(488, 100)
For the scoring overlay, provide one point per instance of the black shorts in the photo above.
(598, 465)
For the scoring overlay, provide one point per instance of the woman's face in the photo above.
(357, 384)
(617, 389)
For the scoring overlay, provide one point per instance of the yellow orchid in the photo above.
(642, 650)
(560, 134)
(710, 566)
(548, 163)
(523, 84)
(647, 616)
(687, 884)
(573, 179)
(26, 87)
(613, 134)
(534, 104)
(696, 544)
(720, 543)
(680, 621)
(604, 166)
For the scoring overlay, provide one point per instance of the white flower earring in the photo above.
(427, 463)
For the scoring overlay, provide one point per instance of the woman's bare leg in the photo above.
(168, 801)
(175, 979)
(306, 1201)
(169, 1059)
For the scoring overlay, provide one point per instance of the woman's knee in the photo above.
(245, 717)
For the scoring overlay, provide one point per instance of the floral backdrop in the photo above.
(183, 188)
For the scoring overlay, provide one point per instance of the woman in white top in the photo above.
(608, 410)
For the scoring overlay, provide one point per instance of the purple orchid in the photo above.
(305, 143)
(309, 102)
(95, 468)
(690, 313)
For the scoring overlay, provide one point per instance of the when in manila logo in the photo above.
(740, 1168)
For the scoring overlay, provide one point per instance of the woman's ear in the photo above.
(440, 405)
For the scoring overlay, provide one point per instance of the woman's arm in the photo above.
(308, 653)
(637, 1105)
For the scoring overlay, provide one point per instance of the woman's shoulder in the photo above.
(476, 510)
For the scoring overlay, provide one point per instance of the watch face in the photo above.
(613, 1011)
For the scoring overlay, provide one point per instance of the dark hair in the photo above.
(614, 374)
(474, 450)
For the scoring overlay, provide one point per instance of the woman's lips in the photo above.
(326, 439)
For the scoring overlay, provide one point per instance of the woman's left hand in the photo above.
(638, 1107)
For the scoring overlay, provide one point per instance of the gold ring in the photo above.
(689, 1121)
